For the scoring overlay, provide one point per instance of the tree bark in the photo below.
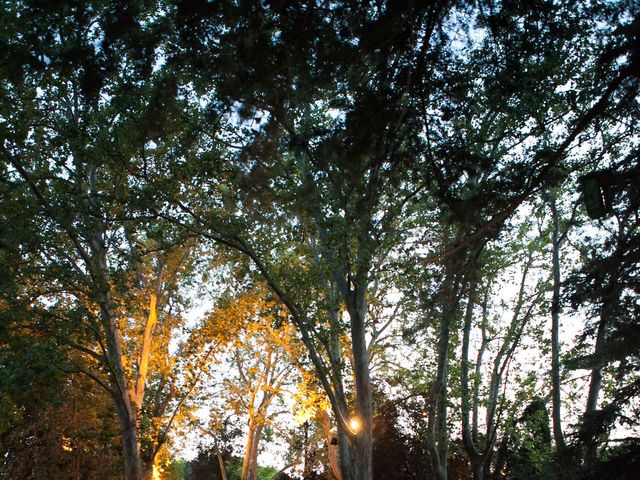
(253, 465)
(556, 412)
(478, 370)
(344, 456)
(152, 319)
(248, 448)
(591, 453)
(477, 458)
(361, 441)
(322, 417)
(250, 461)
(438, 438)
(148, 471)
(223, 471)
(437, 431)
(130, 443)
(119, 382)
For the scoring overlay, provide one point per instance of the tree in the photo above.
(260, 351)
(609, 274)
(80, 81)
(329, 144)
(66, 440)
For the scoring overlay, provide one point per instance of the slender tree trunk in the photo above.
(437, 431)
(591, 453)
(478, 370)
(247, 454)
(344, 457)
(120, 388)
(556, 412)
(438, 438)
(322, 417)
(477, 459)
(223, 471)
(143, 368)
(250, 461)
(253, 466)
(124, 406)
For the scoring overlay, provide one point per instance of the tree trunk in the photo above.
(437, 438)
(253, 466)
(478, 370)
(248, 448)
(130, 444)
(120, 388)
(344, 456)
(250, 461)
(361, 441)
(437, 435)
(442, 433)
(143, 368)
(437, 431)
(556, 412)
(478, 469)
(477, 459)
(114, 353)
(223, 471)
(322, 417)
(148, 471)
(591, 453)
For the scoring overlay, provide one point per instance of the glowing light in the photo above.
(66, 444)
(354, 424)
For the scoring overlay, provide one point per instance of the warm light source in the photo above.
(355, 424)
(66, 444)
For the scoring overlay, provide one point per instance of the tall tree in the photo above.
(80, 118)
(333, 151)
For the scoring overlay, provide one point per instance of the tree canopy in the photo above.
(414, 224)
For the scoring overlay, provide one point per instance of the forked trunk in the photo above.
(250, 462)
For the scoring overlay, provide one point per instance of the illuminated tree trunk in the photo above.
(322, 417)
(152, 319)
(148, 471)
(253, 466)
(124, 407)
(360, 441)
(250, 461)
(354, 446)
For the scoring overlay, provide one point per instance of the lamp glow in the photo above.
(354, 424)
